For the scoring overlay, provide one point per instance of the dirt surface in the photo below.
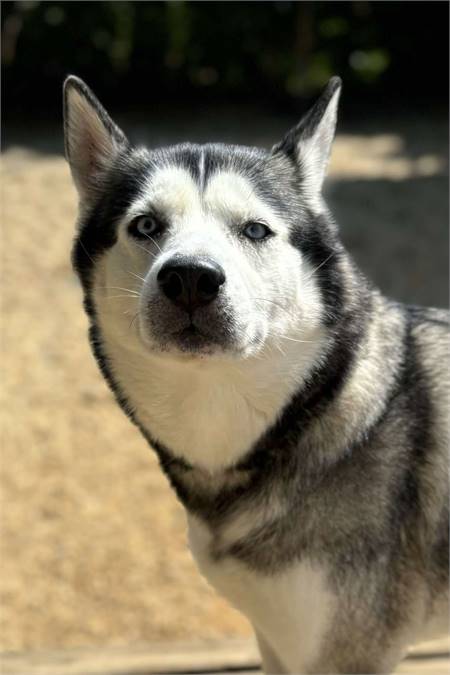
(93, 548)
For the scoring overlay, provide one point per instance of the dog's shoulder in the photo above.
(429, 347)
(430, 322)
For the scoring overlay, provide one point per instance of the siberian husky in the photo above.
(300, 416)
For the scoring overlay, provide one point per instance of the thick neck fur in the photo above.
(210, 412)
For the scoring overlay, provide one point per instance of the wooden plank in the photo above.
(433, 666)
(239, 656)
(160, 658)
(427, 658)
(441, 646)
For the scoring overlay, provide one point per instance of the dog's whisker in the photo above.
(286, 337)
(133, 320)
(113, 297)
(135, 275)
(273, 302)
(134, 291)
(86, 251)
(280, 349)
(154, 242)
(150, 253)
(319, 266)
(283, 309)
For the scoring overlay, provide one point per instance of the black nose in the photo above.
(190, 283)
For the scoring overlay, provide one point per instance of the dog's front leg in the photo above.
(270, 662)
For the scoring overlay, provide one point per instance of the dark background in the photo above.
(275, 53)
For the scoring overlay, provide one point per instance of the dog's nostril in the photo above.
(190, 283)
(209, 283)
(172, 285)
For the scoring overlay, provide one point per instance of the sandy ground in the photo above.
(93, 547)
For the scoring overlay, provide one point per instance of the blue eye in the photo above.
(256, 231)
(145, 227)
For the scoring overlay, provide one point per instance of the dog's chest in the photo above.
(291, 610)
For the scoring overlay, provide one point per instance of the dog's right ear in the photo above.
(92, 140)
(308, 144)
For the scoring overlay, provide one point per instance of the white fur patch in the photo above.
(210, 411)
(171, 190)
(279, 606)
(232, 198)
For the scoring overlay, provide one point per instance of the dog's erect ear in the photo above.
(309, 143)
(92, 140)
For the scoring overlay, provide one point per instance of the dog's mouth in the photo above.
(192, 339)
(205, 332)
(189, 331)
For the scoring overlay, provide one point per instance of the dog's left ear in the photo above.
(309, 143)
(92, 140)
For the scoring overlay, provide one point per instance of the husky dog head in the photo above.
(201, 251)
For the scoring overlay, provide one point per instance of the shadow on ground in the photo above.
(397, 232)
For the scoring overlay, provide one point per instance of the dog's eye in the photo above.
(145, 227)
(256, 231)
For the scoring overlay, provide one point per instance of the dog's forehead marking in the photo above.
(227, 195)
(228, 191)
(172, 190)
(230, 195)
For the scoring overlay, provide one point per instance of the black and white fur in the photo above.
(299, 414)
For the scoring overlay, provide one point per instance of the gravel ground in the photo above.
(93, 548)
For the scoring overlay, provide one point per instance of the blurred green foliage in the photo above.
(277, 52)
